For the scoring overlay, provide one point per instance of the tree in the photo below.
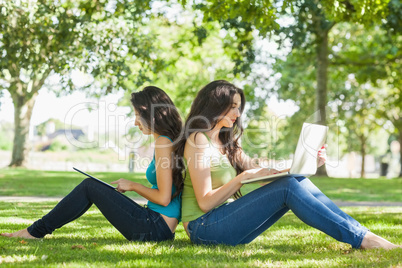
(310, 29)
(357, 109)
(309, 36)
(364, 53)
(192, 58)
(47, 37)
(193, 55)
(374, 56)
(389, 101)
(313, 20)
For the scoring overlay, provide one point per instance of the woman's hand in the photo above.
(123, 185)
(258, 172)
(322, 155)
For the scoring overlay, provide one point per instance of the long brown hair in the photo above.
(212, 101)
(161, 116)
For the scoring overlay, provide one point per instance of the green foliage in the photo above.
(263, 136)
(41, 128)
(39, 38)
(371, 57)
(57, 146)
(309, 28)
(194, 57)
(368, 52)
(297, 83)
(191, 60)
(363, 60)
(242, 17)
(238, 19)
(364, 12)
(5, 143)
(357, 110)
(6, 136)
(394, 19)
(309, 25)
(101, 39)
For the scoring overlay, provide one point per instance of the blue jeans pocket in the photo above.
(200, 233)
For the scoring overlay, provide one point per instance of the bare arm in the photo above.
(163, 160)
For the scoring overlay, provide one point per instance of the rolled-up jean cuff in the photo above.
(31, 230)
(364, 232)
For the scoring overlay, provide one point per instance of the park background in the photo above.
(67, 69)
(297, 62)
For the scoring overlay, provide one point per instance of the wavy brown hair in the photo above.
(161, 116)
(212, 101)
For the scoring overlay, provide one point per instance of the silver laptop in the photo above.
(311, 139)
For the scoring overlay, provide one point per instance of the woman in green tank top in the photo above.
(214, 166)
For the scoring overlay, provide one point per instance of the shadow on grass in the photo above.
(112, 252)
(91, 241)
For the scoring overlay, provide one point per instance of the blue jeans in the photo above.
(133, 221)
(242, 220)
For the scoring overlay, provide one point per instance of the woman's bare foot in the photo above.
(21, 233)
(371, 240)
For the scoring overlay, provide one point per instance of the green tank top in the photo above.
(221, 172)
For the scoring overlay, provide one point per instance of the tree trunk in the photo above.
(23, 106)
(363, 154)
(321, 89)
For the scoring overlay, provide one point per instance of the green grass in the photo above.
(389, 190)
(20, 182)
(91, 241)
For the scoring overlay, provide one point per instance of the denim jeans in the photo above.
(242, 220)
(133, 221)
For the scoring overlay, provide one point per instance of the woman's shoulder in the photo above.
(198, 138)
(196, 142)
(163, 146)
(163, 140)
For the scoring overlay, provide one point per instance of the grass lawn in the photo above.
(91, 241)
(20, 182)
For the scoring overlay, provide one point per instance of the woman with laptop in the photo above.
(215, 167)
(156, 115)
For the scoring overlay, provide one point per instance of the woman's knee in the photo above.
(283, 185)
(87, 183)
(92, 185)
(288, 181)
